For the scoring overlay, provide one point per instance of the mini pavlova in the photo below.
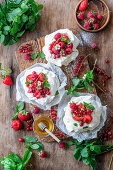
(81, 117)
(60, 47)
(42, 85)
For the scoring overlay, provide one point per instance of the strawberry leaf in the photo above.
(15, 116)
(20, 106)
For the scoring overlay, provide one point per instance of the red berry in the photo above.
(23, 115)
(16, 125)
(105, 90)
(70, 45)
(62, 145)
(21, 50)
(112, 116)
(57, 36)
(42, 154)
(61, 133)
(69, 50)
(111, 137)
(28, 128)
(56, 51)
(31, 128)
(53, 113)
(28, 45)
(55, 117)
(107, 61)
(105, 139)
(92, 20)
(109, 133)
(73, 106)
(99, 16)
(36, 110)
(26, 50)
(57, 134)
(80, 16)
(62, 44)
(21, 139)
(29, 123)
(83, 5)
(54, 57)
(90, 15)
(7, 80)
(96, 26)
(87, 25)
(27, 57)
(109, 77)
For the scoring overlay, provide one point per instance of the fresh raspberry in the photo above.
(62, 44)
(83, 5)
(7, 80)
(62, 145)
(36, 110)
(56, 51)
(90, 15)
(42, 154)
(27, 57)
(73, 106)
(57, 36)
(99, 16)
(80, 16)
(70, 45)
(69, 50)
(87, 25)
(92, 20)
(94, 46)
(21, 140)
(96, 26)
(16, 125)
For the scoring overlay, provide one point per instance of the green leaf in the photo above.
(35, 146)
(86, 161)
(93, 163)
(20, 106)
(89, 74)
(26, 157)
(41, 55)
(24, 18)
(7, 28)
(15, 28)
(2, 38)
(13, 13)
(34, 56)
(23, 112)
(85, 152)
(85, 127)
(8, 164)
(0, 66)
(15, 158)
(75, 124)
(20, 166)
(57, 92)
(31, 19)
(41, 146)
(30, 139)
(95, 148)
(24, 7)
(8, 70)
(87, 86)
(69, 41)
(15, 116)
(76, 81)
(69, 143)
(74, 93)
(19, 34)
(77, 153)
(89, 106)
(40, 6)
(69, 92)
(45, 84)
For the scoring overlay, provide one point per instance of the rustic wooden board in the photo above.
(23, 64)
(55, 15)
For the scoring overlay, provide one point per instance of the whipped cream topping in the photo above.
(69, 121)
(52, 79)
(62, 60)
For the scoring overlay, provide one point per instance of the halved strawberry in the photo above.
(28, 77)
(41, 77)
(76, 118)
(88, 118)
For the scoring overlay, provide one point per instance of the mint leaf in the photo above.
(24, 18)
(20, 106)
(26, 157)
(15, 158)
(15, 116)
(19, 34)
(30, 139)
(45, 84)
(89, 106)
(85, 152)
(34, 56)
(69, 143)
(20, 166)
(41, 146)
(40, 6)
(41, 55)
(77, 153)
(69, 92)
(75, 124)
(8, 163)
(74, 93)
(24, 7)
(57, 92)
(35, 146)
(85, 127)
(2, 38)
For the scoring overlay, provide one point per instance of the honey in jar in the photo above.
(47, 121)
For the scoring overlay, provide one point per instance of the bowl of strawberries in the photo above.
(92, 15)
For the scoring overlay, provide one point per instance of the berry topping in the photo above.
(61, 47)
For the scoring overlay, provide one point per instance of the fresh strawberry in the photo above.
(83, 5)
(27, 57)
(42, 154)
(87, 25)
(90, 15)
(28, 78)
(92, 20)
(88, 118)
(99, 16)
(76, 118)
(7, 80)
(23, 115)
(96, 26)
(16, 125)
(41, 77)
(57, 36)
(80, 16)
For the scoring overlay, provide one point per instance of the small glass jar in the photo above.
(47, 121)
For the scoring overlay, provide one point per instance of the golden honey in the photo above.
(47, 121)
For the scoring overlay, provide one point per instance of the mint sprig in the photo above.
(20, 106)
(89, 106)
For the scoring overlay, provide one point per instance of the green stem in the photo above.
(98, 86)
(110, 163)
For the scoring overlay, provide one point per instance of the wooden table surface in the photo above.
(55, 15)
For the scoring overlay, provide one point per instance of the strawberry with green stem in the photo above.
(6, 78)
